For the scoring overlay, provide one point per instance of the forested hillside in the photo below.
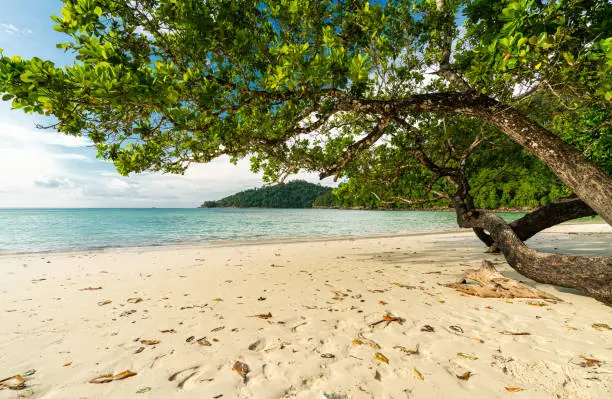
(294, 194)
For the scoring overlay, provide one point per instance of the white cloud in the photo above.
(12, 29)
(47, 169)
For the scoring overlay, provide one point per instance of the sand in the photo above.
(322, 296)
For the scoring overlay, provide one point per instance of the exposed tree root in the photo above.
(591, 275)
(491, 284)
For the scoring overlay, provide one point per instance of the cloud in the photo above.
(12, 29)
(41, 168)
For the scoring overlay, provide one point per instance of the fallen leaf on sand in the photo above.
(381, 358)
(387, 318)
(514, 333)
(189, 339)
(15, 383)
(90, 289)
(172, 331)
(418, 374)
(103, 379)
(242, 369)
(328, 355)
(427, 328)
(106, 302)
(66, 364)
(589, 362)
(217, 329)
(406, 350)
(382, 302)
(410, 287)
(365, 341)
(339, 293)
(137, 351)
(465, 376)
(134, 300)
(601, 326)
(467, 356)
(149, 341)
(535, 303)
(218, 300)
(262, 315)
(376, 291)
(204, 342)
(144, 390)
(513, 389)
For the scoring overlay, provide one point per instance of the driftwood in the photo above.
(492, 284)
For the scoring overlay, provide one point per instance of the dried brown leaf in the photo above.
(242, 369)
(262, 315)
(514, 389)
(465, 376)
(134, 300)
(150, 341)
(601, 326)
(204, 342)
(15, 383)
(106, 302)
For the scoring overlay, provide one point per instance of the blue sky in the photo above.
(40, 168)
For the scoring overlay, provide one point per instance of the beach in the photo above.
(337, 318)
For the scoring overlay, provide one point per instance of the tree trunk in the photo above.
(589, 274)
(550, 215)
(542, 218)
(587, 180)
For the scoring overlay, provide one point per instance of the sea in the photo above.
(53, 230)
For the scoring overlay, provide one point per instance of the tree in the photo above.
(312, 85)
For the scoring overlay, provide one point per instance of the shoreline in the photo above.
(602, 227)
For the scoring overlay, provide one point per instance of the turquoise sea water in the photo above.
(43, 230)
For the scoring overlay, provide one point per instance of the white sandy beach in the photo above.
(322, 296)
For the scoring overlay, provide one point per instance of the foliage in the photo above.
(341, 88)
(294, 194)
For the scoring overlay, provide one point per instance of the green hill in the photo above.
(294, 194)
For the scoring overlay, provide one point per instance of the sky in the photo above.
(46, 169)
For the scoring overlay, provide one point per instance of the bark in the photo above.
(591, 275)
(550, 215)
(542, 218)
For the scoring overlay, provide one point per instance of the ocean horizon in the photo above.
(32, 230)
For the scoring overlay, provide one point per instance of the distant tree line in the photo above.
(294, 194)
